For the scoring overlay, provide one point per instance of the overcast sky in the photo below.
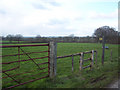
(56, 17)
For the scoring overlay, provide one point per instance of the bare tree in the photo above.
(10, 37)
(18, 37)
(38, 37)
(109, 33)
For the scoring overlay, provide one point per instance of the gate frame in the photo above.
(18, 46)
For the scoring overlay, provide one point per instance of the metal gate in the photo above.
(25, 63)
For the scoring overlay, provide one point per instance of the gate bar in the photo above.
(23, 53)
(10, 69)
(6, 46)
(27, 77)
(11, 77)
(30, 58)
(27, 82)
(24, 60)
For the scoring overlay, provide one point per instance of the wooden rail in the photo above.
(82, 60)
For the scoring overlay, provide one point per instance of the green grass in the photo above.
(100, 76)
(11, 41)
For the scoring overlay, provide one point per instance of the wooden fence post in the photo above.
(81, 61)
(103, 51)
(96, 59)
(72, 63)
(53, 58)
(92, 59)
(111, 55)
(1, 66)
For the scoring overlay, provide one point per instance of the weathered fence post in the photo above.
(72, 63)
(53, 58)
(81, 61)
(92, 59)
(96, 59)
(103, 51)
(0, 65)
(111, 55)
(19, 56)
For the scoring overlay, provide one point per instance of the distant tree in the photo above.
(10, 37)
(2, 38)
(71, 35)
(38, 37)
(18, 37)
(107, 32)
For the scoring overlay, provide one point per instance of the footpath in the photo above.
(115, 84)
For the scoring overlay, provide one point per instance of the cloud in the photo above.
(54, 3)
(38, 6)
(44, 4)
(96, 15)
(51, 18)
(58, 22)
(2, 12)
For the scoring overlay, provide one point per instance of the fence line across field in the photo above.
(52, 61)
(81, 54)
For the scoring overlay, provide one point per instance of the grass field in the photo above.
(99, 77)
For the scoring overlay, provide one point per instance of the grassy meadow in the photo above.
(100, 76)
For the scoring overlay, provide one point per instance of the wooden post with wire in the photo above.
(81, 61)
(111, 55)
(92, 60)
(96, 59)
(53, 58)
(72, 63)
(103, 51)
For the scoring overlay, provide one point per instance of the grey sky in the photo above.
(56, 17)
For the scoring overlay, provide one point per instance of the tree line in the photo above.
(111, 36)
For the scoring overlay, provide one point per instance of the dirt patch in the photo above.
(115, 84)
